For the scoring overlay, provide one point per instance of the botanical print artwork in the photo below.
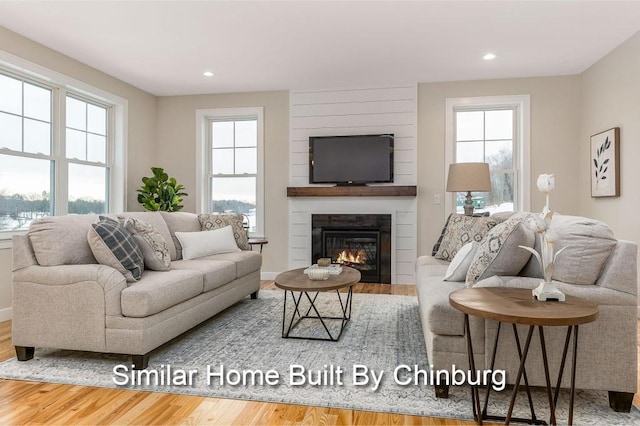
(605, 163)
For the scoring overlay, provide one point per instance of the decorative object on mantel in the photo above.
(468, 177)
(161, 192)
(540, 224)
(605, 163)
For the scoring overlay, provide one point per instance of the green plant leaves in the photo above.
(161, 192)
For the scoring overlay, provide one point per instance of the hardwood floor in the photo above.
(47, 403)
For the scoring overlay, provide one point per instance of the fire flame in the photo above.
(349, 257)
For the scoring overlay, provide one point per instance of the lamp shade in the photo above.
(464, 177)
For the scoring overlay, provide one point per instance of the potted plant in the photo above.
(161, 192)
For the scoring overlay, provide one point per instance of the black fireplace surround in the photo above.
(361, 241)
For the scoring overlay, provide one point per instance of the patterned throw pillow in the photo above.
(152, 244)
(461, 230)
(216, 221)
(113, 245)
(499, 253)
(436, 246)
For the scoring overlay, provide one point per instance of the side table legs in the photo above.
(480, 414)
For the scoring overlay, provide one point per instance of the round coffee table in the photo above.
(296, 281)
(518, 306)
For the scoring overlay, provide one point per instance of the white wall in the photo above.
(611, 98)
(355, 111)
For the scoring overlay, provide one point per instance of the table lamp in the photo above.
(467, 177)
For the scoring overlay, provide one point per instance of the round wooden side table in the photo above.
(518, 306)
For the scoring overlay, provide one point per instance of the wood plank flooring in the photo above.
(47, 403)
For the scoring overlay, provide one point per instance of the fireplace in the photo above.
(361, 241)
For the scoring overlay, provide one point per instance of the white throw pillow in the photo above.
(459, 266)
(205, 243)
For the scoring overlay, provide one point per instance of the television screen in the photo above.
(351, 160)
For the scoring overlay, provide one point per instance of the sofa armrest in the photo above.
(620, 272)
(99, 280)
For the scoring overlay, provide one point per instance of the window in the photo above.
(492, 130)
(233, 164)
(62, 146)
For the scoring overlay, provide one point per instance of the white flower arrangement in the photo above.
(548, 237)
(540, 224)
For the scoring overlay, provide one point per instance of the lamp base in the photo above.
(548, 291)
(468, 205)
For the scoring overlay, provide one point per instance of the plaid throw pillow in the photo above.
(113, 245)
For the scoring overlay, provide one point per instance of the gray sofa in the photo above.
(600, 269)
(62, 298)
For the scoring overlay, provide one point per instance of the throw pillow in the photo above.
(499, 253)
(152, 244)
(459, 266)
(462, 230)
(588, 245)
(436, 246)
(113, 245)
(205, 243)
(217, 221)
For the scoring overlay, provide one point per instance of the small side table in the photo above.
(258, 242)
(518, 306)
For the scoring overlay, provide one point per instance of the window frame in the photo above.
(521, 104)
(204, 162)
(117, 112)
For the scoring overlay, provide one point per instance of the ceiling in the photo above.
(163, 47)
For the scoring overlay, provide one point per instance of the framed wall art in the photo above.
(605, 163)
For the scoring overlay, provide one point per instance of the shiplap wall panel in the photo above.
(358, 111)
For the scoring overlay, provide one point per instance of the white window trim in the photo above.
(119, 127)
(203, 156)
(522, 103)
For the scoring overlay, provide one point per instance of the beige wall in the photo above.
(141, 123)
(611, 98)
(176, 153)
(555, 107)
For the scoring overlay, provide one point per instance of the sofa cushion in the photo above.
(180, 222)
(152, 244)
(246, 261)
(462, 230)
(156, 220)
(216, 221)
(216, 273)
(113, 245)
(157, 291)
(62, 240)
(205, 243)
(457, 270)
(499, 253)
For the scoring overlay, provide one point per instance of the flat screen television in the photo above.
(351, 160)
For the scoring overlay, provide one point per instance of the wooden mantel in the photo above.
(352, 191)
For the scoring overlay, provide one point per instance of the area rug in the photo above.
(357, 372)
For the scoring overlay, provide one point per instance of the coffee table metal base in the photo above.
(312, 313)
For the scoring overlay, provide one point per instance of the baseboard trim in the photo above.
(6, 314)
(268, 275)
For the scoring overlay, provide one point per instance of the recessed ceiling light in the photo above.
(207, 74)
(489, 56)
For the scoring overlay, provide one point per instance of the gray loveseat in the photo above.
(62, 298)
(596, 267)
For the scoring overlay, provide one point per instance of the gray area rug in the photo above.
(245, 340)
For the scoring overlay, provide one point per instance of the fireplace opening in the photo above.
(355, 248)
(360, 241)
